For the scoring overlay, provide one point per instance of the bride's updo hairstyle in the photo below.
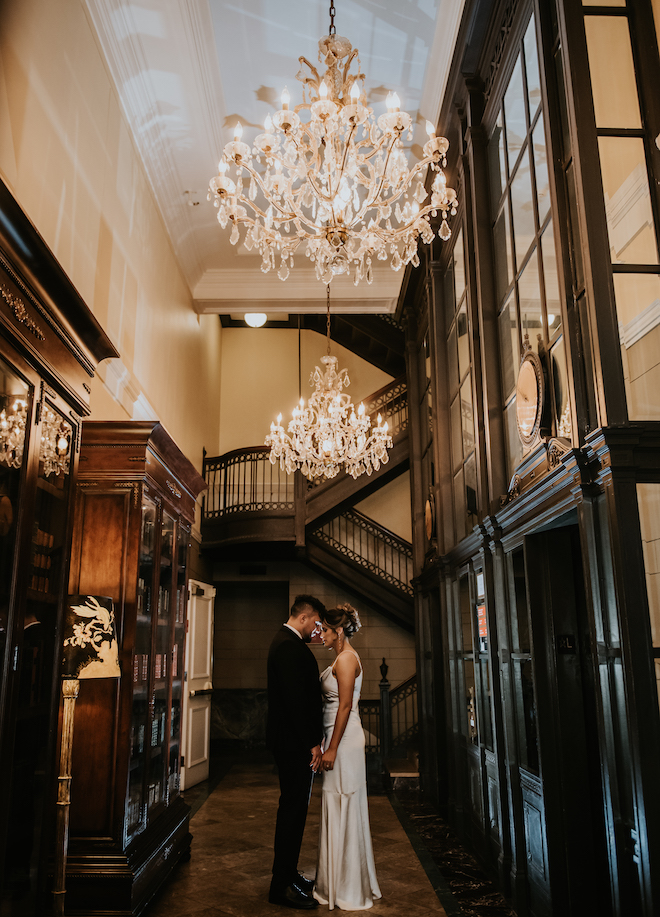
(343, 616)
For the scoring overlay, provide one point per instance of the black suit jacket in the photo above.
(295, 717)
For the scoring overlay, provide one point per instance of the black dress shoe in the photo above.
(304, 884)
(293, 896)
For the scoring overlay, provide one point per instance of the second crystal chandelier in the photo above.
(337, 185)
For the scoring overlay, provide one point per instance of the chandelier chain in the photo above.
(333, 28)
(327, 316)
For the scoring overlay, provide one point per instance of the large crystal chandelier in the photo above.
(337, 184)
(329, 434)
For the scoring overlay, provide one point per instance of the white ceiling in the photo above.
(187, 70)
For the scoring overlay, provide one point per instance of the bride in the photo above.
(345, 875)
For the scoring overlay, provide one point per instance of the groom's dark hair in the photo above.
(307, 601)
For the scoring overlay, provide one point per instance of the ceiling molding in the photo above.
(235, 289)
(131, 70)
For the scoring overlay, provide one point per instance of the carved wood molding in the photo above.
(20, 312)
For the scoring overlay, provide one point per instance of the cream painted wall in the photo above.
(242, 639)
(68, 157)
(260, 379)
(390, 506)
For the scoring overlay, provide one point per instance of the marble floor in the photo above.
(228, 874)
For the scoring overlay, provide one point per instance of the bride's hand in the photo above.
(328, 760)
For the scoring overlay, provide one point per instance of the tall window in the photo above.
(623, 145)
(459, 369)
(525, 259)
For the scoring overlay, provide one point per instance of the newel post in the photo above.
(385, 713)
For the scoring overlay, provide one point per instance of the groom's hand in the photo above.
(316, 758)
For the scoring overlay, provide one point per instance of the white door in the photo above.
(198, 685)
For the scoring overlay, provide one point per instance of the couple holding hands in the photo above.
(314, 725)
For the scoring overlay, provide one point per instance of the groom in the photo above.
(293, 733)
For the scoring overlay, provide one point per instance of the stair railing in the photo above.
(391, 723)
(391, 402)
(373, 547)
(245, 481)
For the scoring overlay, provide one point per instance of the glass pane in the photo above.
(563, 113)
(456, 434)
(656, 15)
(529, 298)
(514, 113)
(174, 768)
(560, 382)
(135, 810)
(470, 722)
(514, 449)
(158, 764)
(552, 302)
(519, 613)
(496, 164)
(459, 266)
(576, 250)
(467, 416)
(39, 649)
(524, 226)
(503, 252)
(466, 614)
(529, 737)
(627, 200)
(541, 170)
(449, 301)
(648, 500)
(509, 347)
(463, 341)
(614, 88)
(532, 69)
(486, 712)
(459, 506)
(638, 311)
(471, 489)
(32, 638)
(452, 362)
(15, 400)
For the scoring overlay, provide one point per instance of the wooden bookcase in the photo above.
(129, 825)
(50, 345)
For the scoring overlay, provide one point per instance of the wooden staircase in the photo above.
(251, 503)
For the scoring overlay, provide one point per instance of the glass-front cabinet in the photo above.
(49, 346)
(129, 824)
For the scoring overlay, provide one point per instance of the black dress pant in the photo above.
(295, 788)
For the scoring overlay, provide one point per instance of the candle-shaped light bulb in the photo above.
(430, 130)
(279, 419)
(238, 131)
(355, 92)
(302, 402)
(222, 167)
(268, 124)
(380, 420)
(393, 101)
(323, 90)
(285, 98)
(361, 410)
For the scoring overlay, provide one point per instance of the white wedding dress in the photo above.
(346, 874)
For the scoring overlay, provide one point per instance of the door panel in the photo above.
(199, 686)
(568, 827)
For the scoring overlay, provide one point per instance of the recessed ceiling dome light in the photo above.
(256, 319)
